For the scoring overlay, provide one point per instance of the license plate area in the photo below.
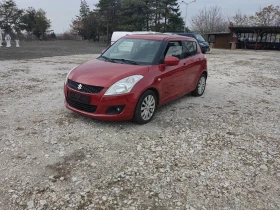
(78, 97)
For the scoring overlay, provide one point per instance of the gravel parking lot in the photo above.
(218, 151)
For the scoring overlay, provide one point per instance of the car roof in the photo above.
(159, 37)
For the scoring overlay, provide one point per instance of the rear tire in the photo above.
(200, 87)
(145, 108)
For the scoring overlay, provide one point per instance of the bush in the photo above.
(67, 36)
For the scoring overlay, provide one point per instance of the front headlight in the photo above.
(68, 75)
(123, 86)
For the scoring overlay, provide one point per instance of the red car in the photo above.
(135, 76)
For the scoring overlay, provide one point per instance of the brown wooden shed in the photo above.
(258, 37)
(219, 40)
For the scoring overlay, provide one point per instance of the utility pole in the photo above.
(1, 38)
(187, 4)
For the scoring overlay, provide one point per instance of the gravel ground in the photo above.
(218, 151)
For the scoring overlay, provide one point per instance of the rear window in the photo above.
(125, 46)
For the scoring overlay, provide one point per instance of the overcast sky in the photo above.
(61, 12)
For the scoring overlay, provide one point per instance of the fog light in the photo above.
(115, 109)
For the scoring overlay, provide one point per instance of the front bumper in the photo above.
(102, 103)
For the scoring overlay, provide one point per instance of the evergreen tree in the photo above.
(128, 15)
(134, 13)
(164, 11)
(110, 11)
(84, 9)
(86, 23)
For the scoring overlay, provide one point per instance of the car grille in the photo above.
(81, 106)
(84, 88)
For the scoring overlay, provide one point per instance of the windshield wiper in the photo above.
(107, 59)
(125, 61)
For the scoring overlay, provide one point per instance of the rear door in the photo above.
(191, 64)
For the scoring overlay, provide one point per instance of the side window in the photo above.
(189, 49)
(174, 48)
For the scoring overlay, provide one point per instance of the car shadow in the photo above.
(159, 118)
(160, 113)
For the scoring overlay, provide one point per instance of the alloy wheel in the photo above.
(148, 107)
(201, 85)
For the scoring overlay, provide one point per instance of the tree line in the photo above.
(131, 15)
(127, 15)
(14, 20)
(161, 16)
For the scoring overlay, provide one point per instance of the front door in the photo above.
(172, 76)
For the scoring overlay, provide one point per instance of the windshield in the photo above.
(199, 38)
(132, 51)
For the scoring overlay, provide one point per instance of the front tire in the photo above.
(145, 108)
(200, 87)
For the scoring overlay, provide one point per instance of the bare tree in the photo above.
(268, 16)
(240, 19)
(209, 20)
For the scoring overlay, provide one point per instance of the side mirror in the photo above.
(171, 61)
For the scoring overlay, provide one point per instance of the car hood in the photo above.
(205, 43)
(105, 74)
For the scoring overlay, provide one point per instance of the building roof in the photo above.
(249, 29)
(255, 29)
(217, 33)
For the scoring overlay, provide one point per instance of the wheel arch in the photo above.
(152, 89)
(205, 73)
(136, 117)
(156, 93)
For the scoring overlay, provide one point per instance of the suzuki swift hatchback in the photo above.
(135, 76)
